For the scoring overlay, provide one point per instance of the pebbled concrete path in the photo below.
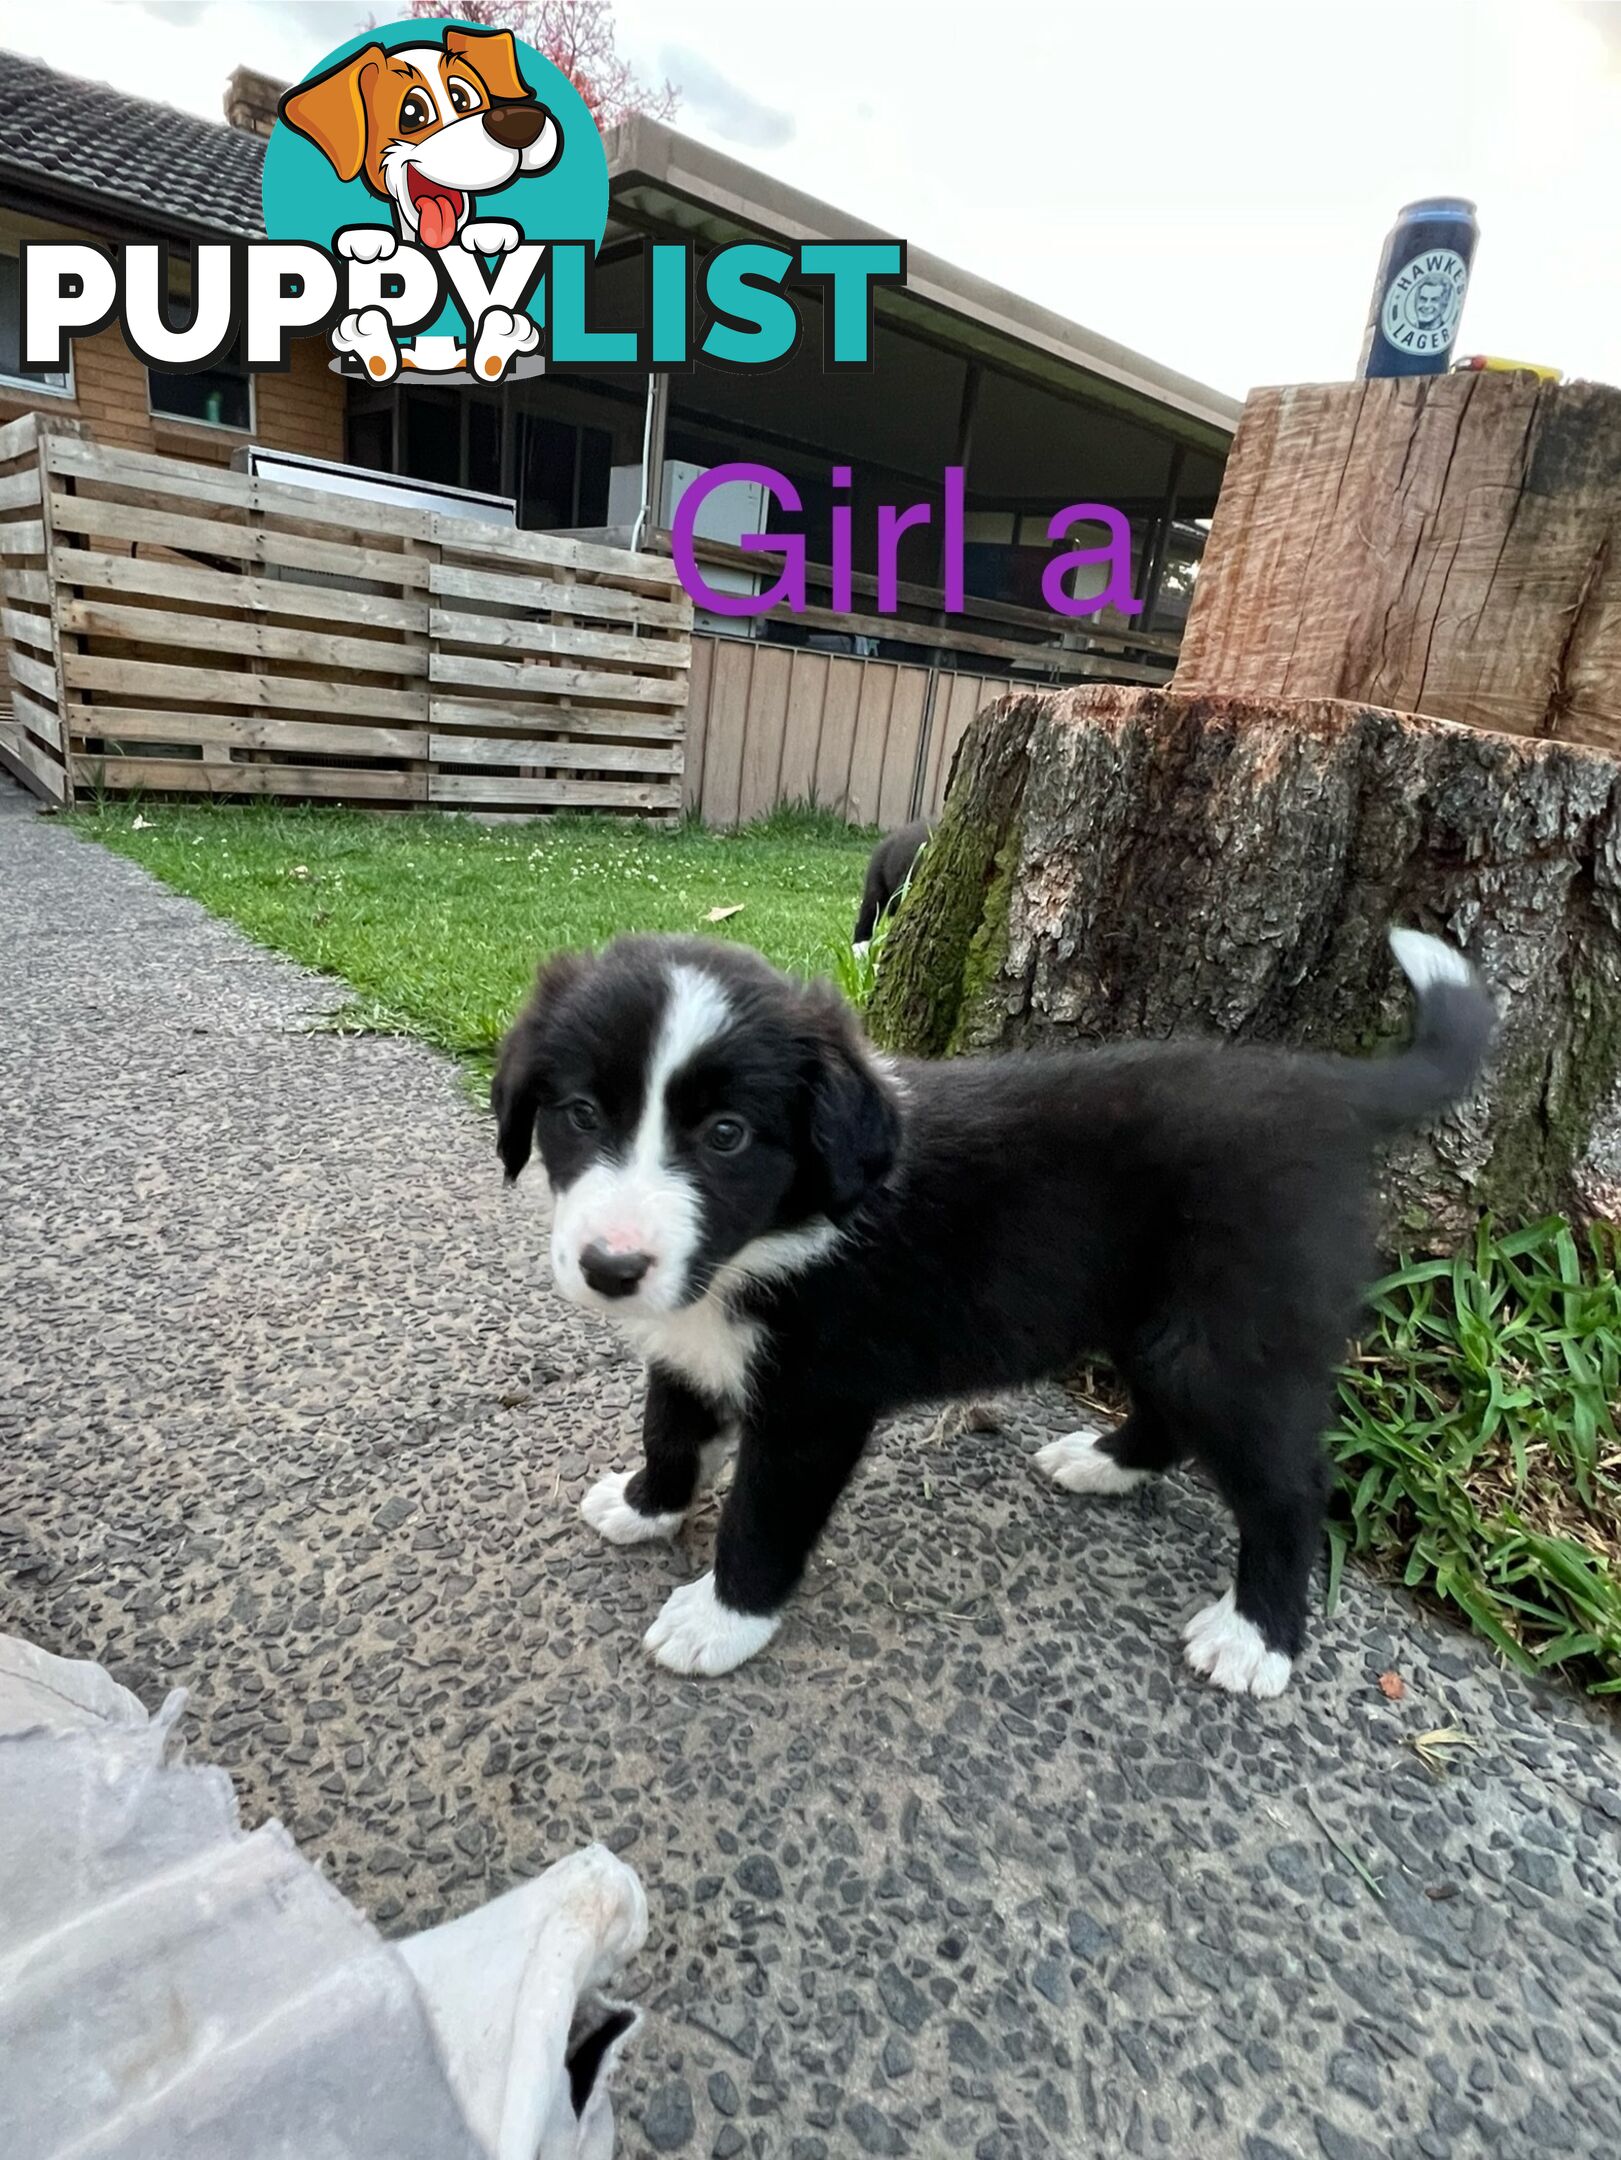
(965, 1864)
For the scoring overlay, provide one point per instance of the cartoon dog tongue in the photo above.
(436, 219)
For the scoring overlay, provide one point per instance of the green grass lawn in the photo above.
(1477, 1442)
(437, 923)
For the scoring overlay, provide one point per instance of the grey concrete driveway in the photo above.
(965, 1864)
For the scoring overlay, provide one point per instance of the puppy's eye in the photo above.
(582, 1115)
(416, 112)
(726, 1135)
(461, 95)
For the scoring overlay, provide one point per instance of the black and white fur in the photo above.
(802, 1238)
(892, 863)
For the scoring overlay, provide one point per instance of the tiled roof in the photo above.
(144, 160)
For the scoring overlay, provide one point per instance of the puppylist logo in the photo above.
(434, 198)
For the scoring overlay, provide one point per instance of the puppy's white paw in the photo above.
(1078, 1464)
(489, 236)
(696, 1633)
(611, 1515)
(1230, 1652)
(367, 243)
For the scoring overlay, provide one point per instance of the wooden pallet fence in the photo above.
(32, 742)
(558, 674)
(228, 636)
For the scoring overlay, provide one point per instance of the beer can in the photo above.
(1419, 293)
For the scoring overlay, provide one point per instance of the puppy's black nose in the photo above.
(514, 127)
(613, 1274)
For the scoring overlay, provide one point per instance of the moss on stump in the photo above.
(1117, 864)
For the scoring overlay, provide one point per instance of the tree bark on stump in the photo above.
(1442, 544)
(1120, 863)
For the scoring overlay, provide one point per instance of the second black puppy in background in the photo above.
(890, 867)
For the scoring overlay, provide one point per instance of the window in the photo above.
(562, 474)
(451, 437)
(369, 428)
(59, 382)
(433, 436)
(218, 396)
(459, 438)
(483, 445)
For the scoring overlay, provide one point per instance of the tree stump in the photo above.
(1443, 544)
(1122, 863)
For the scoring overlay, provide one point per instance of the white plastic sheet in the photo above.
(174, 1988)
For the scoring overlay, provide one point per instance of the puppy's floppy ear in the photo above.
(520, 1067)
(331, 110)
(495, 56)
(854, 1124)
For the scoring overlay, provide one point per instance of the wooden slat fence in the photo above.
(182, 629)
(171, 628)
(871, 740)
(1105, 649)
(31, 738)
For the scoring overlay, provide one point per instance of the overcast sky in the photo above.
(1209, 181)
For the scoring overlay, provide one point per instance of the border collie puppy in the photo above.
(893, 861)
(802, 1238)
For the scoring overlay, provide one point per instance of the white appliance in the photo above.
(360, 480)
(740, 507)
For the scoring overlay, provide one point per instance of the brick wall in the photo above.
(301, 410)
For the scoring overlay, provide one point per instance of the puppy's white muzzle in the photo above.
(616, 1211)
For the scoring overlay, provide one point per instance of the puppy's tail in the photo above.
(1451, 1036)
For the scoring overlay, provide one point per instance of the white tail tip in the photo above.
(1428, 961)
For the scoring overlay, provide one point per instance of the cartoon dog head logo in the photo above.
(449, 145)
(428, 127)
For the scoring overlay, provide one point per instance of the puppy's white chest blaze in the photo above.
(708, 1344)
(703, 1344)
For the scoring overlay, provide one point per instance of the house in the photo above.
(1040, 411)
(80, 161)
(1037, 411)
